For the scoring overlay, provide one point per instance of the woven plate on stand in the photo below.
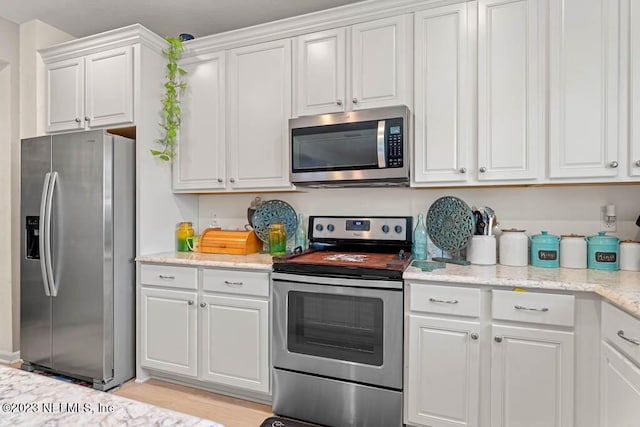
(450, 226)
(273, 212)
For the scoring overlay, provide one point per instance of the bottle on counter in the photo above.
(277, 239)
(184, 231)
(301, 234)
(419, 248)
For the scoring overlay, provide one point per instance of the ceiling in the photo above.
(164, 17)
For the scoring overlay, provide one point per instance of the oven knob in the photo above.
(398, 229)
(319, 227)
(330, 227)
(385, 228)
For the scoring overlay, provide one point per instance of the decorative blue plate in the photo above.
(273, 212)
(450, 224)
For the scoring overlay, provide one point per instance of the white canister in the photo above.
(514, 248)
(482, 250)
(630, 255)
(573, 251)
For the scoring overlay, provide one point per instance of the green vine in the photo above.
(171, 102)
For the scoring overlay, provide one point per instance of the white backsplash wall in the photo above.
(559, 210)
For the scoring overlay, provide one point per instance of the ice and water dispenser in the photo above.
(32, 246)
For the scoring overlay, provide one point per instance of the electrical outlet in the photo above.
(607, 224)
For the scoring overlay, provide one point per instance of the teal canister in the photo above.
(545, 250)
(603, 252)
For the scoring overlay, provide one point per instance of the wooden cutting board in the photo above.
(351, 259)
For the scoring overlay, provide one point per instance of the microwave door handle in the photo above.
(382, 158)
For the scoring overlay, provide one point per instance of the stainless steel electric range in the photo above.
(338, 323)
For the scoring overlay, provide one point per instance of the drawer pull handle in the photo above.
(228, 283)
(166, 277)
(451, 301)
(631, 340)
(520, 307)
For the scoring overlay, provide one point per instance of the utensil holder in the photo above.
(482, 250)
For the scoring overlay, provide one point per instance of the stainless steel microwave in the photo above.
(357, 148)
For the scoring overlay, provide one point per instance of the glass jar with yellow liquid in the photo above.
(185, 231)
(277, 239)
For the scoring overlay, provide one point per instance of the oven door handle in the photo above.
(339, 281)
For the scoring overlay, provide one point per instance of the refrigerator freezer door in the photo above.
(81, 246)
(35, 305)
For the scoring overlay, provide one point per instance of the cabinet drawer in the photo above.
(166, 275)
(547, 309)
(445, 300)
(236, 282)
(618, 325)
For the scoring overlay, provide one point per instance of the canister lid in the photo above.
(630, 242)
(544, 237)
(602, 238)
(513, 230)
(572, 236)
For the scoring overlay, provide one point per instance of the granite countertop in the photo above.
(31, 399)
(619, 287)
(257, 261)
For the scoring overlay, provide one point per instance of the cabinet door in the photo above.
(532, 377)
(320, 72)
(235, 342)
(168, 322)
(259, 78)
(583, 108)
(380, 55)
(444, 372)
(443, 93)
(109, 87)
(510, 89)
(634, 90)
(619, 390)
(200, 162)
(65, 95)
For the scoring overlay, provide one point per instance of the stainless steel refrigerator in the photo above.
(77, 290)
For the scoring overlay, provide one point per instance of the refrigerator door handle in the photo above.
(41, 232)
(47, 228)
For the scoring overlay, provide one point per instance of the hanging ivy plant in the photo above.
(171, 112)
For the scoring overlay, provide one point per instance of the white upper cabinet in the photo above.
(634, 90)
(91, 91)
(378, 74)
(584, 78)
(200, 162)
(510, 89)
(258, 112)
(443, 93)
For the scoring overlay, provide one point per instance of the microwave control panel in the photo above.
(394, 136)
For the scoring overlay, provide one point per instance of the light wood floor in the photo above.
(222, 409)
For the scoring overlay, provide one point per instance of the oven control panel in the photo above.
(360, 228)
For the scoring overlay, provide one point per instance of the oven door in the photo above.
(339, 330)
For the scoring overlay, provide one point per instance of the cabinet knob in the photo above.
(87, 118)
(463, 170)
(190, 302)
(497, 339)
(482, 169)
(220, 180)
(78, 120)
(613, 164)
(638, 163)
(232, 180)
(203, 304)
(474, 336)
(355, 100)
(339, 102)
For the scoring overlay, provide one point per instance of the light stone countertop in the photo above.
(621, 288)
(257, 261)
(29, 399)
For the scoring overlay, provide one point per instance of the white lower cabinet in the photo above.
(620, 390)
(531, 377)
(168, 330)
(234, 335)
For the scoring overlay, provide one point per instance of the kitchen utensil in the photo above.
(479, 222)
(514, 248)
(272, 212)
(482, 250)
(450, 226)
(573, 251)
(630, 255)
(602, 252)
(545, 250)
(491, 215)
